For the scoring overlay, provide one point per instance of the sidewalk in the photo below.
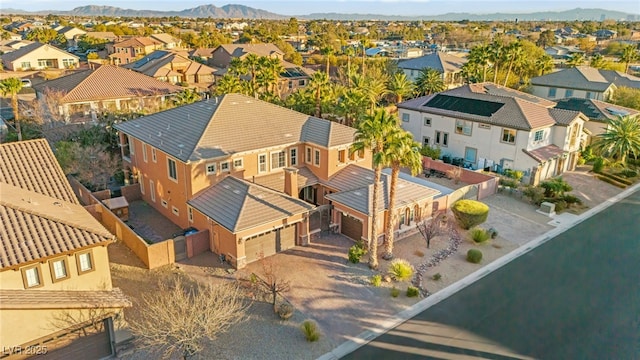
(386, 325)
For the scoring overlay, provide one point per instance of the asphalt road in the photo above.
(575, 297)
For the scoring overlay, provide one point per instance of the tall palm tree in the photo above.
(629, 54)
(429, 82)
(400, 150)
(597, 61)
(480, 56)
(228, 84)
(349, 51)
(496, 56)
(622, 137)
(186, 96)
(514, 54)
(327, 51)
(252, 64)
(352, 105)
(399, 86)
(371, 133)
(575, 59)
(319, 85)
(544, 64)
(273, 68)
(12, 86)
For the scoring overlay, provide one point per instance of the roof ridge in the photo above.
(86, 78)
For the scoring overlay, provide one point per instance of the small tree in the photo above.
(177, 318)
(271, 281)
(470, 213)
(430, 228)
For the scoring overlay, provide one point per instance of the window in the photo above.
(589, 95)
(173, 172)
(262, 163)
(153, 155)
(568, 93)
(290, 84)
(59, 270)
(224, 166)
(509, 136)
(463, 127)
(190, 213)
(405, 117)
(238, 164)
(141, 184)
(211, 169)
(144, 152)
(152, 190)
(316, 158)
(425, 141)
(403, 218)
(484, 126)
(67, 63)
(470, 155)
(442, 138)
(132, 148)
(361, 154)
(293, 156)
(342, 156)
(175, 211)
(552, 92)
(25, 65)
(164, 203)
(539, 135)
(309, 194)
(85, 262)
(278, 160)
(308, 155)
(301, 82)
(427, 121)
(31, 277)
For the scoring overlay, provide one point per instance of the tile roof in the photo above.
(275, 181)
(205, 52)
(25, 50)
(62, 299)
(544, 153)
(492, 104)
(162, 63)
(107, 82)
(586, 78)
(240, 205)
(595, 110)
(19, 169)
(140, 41)
(230, 124)
(39, 214)
(443, 62)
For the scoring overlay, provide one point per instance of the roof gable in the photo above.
(26, 50)
(443, 62)
(586, 78)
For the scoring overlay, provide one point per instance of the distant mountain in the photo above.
(246, 12)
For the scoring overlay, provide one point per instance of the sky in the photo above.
(385, 7)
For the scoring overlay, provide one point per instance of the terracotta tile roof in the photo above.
(240, 205)
(219, 127)
(275, 181)
(544, 153)
(32, 166)
(107, 82)
(241, 51)
(137, 42)
(62, 299)
(162, 62)
(204, 52)
(39, 214)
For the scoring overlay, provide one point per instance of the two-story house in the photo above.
(55, 281)
(174, 67)
(450, 66)
(490, 126)
(251, 172)
(582, 82)
(129, 50)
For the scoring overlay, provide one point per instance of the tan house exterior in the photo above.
(174, 67)
(129, 50)
(250, 172)
(38, 56)
(54, 271)
(449, 66)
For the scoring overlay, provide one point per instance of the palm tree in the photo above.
(400, 150)
(318, 85)
(496, 56)
(480, 56)
(12, 86)
(186, 96)
(228, 84)
(271, 68)
(622, 137)
(399, 86)
(349, 51)
(327, 51)
(575, 59)
(629, 54)
(251, 64)
(515, 55)
(371, 133)
(429, 82)
(352, 105)
(597, 61)
(544, 64)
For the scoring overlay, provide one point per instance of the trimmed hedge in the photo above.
(617, 178)
(611, 181)
(470, 213)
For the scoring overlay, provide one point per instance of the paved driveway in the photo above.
(325, 286)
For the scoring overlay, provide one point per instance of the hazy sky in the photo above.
(386, 7)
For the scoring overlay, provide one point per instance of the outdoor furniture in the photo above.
(119, 206)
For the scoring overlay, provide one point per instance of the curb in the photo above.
(367, 336)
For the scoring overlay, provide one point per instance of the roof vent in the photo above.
(226, 186)
(236, 191)
(358, 193)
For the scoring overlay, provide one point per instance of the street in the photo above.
(575, 297)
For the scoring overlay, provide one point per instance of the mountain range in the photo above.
(246, 12)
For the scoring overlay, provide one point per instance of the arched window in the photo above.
(408, 214)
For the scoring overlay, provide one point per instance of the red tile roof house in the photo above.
(129, 50)
(253, 174)
(54, 267)
(84, 94)
(174, 67)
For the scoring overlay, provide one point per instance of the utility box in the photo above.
(547, 208)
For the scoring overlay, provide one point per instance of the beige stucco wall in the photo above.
(42, 53)
(543, 92)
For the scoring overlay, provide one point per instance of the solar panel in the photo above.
(464, 105)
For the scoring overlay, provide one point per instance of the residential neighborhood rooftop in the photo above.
(587, 78)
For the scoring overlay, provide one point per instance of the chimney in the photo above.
(291, 182)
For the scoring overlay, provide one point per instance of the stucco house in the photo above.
(450, 66)
(174, 67)
(129, 50)
(38, 56)
(582, 82)
(256, 175)
(490, 126)
(55, 281)
(84, 94)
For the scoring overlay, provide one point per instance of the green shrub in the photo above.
(400, 269)
(509, 182)
(310, 330)
(598, 165)
(617, 178)
(470, 213)
(480, 235)
(514, 174)
(285, 310)
(571, 199)
(432, 152)
(555, 187)
(581, 161)
(474, 256)
(356, 252)
(561, 205)
(611, 181)
(534, 193)
(376, 280)
(395, 292)
(628, 173)
(436, 277)
(412, 291)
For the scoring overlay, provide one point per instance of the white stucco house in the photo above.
(490, 126)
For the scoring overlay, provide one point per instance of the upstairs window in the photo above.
(463, 127)
(552, 92)
(508, 136)
(293, 156)
(316, 159)
(278, 160)
(405, 117)
(211, 169)
(172, 169)
(538, 136)
(262, 163)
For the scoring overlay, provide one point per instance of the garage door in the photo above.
(92, 346)
(351, 227)
(287, 238)
(270, 243)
